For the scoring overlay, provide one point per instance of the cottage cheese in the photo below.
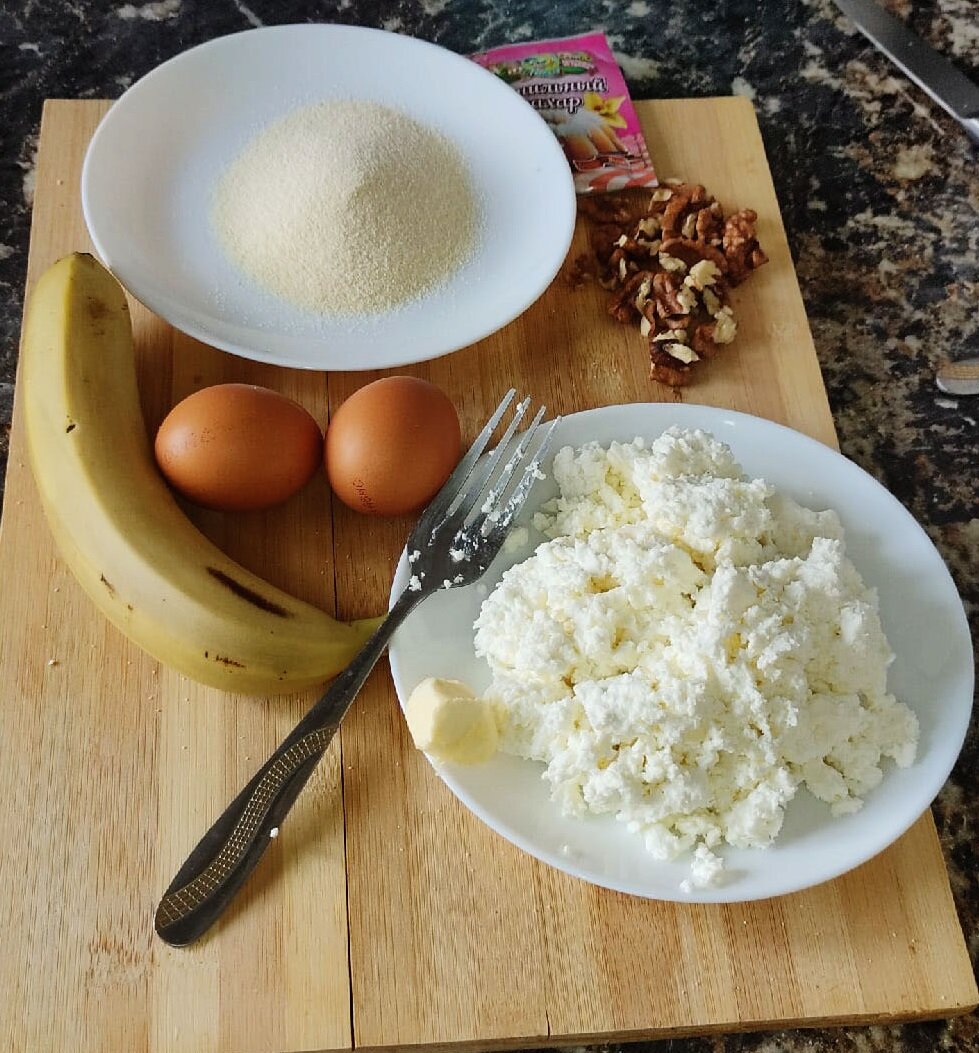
(688, 649)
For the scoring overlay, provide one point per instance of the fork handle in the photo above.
(230, 850)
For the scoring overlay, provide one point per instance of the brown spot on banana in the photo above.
(98, 308)
(243, 592)
(225, 660)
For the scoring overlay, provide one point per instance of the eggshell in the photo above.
(238, 447)
(391, 446)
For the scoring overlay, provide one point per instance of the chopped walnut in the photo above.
(623, 306)
(712, 302)
(702, 274)
(583, 269)
(667, 369)
(682, 352)
(670, 335)
(603, 238)
(687, 298)
(670, 257)
(708, 226)
(692, 252)
(705, 340)
(666, 292)
(622, 208)
(672, 263)
(642, 293)
(725, 326)
(649, 225)
(741, 247)
(685, 200)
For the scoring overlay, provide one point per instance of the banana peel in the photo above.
(150, 571)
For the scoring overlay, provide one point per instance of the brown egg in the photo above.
(392, 445)
(238, 447)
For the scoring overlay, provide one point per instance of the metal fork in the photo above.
(453, 543)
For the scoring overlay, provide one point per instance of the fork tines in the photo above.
(485, 492)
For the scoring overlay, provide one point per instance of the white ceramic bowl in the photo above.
(154, 160)
(921, 614)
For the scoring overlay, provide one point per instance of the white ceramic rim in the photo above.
(825, 868)
(420, 350)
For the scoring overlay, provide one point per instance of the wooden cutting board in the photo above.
(386, 915)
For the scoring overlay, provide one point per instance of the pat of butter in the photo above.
(449, 722)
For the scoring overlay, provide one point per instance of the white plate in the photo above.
(922, 616)
(153, 162)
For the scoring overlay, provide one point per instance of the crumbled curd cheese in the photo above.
(688, 649)
(516, 539)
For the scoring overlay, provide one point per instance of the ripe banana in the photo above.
(136, 554)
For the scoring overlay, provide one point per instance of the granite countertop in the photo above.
(880, 196)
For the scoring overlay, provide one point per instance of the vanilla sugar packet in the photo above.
(576, 85)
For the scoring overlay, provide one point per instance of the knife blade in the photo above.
(959, 378)
(933, 73)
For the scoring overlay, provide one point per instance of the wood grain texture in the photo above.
(113, 765)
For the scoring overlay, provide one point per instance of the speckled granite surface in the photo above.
(880, 195)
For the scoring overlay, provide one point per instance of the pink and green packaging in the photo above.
(576, 85)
